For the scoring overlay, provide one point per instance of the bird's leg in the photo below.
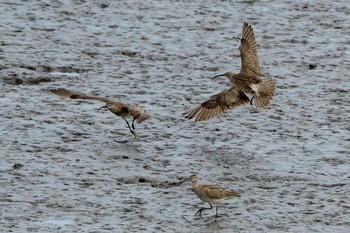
(199, 212)
(132, 131)
(251, 100)
(216, 215)
(132, 125)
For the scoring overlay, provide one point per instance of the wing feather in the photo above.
(249, 55)
(77, 95)
(218, 104)
(213, 192)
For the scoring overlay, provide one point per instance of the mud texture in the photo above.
(64, 167)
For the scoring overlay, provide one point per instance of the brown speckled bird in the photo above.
(122, 110)
(247, 81)
(210, 194)
(218, 104)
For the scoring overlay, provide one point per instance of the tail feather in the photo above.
(261, 102)
(267, 89)
(232, 194)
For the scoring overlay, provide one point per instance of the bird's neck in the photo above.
(195, 185)
(233, 77)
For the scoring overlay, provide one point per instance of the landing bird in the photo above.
(210, 194)
(247, 81)
(122, 110)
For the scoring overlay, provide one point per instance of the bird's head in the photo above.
(108, 106)
(194, 178)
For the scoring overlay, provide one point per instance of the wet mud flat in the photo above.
(64, 167)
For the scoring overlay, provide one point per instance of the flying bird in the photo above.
(247, 82)
(122, 110)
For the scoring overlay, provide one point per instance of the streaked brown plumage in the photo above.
(218, 104)
(248, 81)
(210, 194)
(122, 110)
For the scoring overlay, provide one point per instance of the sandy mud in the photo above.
(64, 167)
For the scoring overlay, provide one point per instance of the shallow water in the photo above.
(84, 172)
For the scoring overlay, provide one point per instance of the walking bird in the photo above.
(122, 110)
(210, 194)
(247, 82)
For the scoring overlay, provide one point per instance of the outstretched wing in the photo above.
(249, 55)
(78, 95)
(218, 104)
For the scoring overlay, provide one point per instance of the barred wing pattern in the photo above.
(218, 104)
(249, 55)
(217, 193)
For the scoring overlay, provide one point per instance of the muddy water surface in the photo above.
(84, 172)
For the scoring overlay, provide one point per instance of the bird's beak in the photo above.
(183, 181)
(102, 107)
(218, 76)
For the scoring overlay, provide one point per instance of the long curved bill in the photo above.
(183, 181)
(102, 107)
(219, 75)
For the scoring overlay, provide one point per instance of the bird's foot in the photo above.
(199, 212)
(134, 133)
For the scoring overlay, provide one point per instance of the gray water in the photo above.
(84, 172)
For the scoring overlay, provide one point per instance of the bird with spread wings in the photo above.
(120, 109)
(247, 82)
